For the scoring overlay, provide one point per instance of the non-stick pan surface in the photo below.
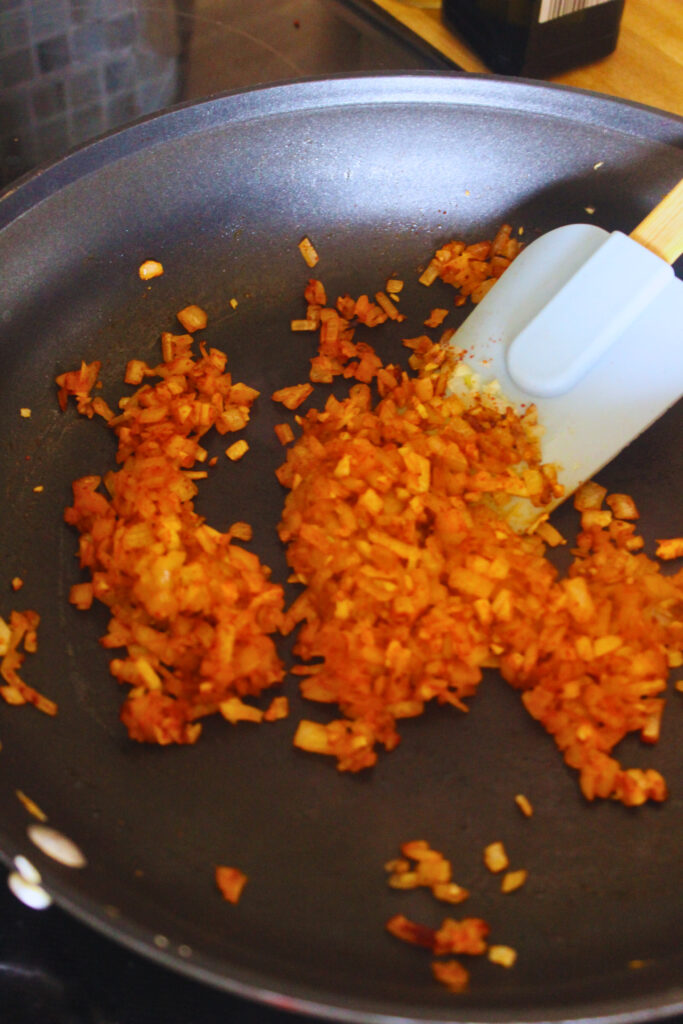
(377, 171)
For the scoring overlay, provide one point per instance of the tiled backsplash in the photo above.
(70, 69)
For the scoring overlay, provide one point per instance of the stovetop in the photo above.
(55, 970)
(69, 71)
(73, 69)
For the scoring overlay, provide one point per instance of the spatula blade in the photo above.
(630, 385)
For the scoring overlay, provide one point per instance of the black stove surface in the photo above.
(73, 69)
(69, 71)
(54, 970)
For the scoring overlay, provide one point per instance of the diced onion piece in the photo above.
(12, 695)
(31, 806)
(410, 931)
(670, 549)
(81, 596)
(524, 805)
(513, 880)
(607, 644)
(430, 274)
(5, 637)
(242, 531)
(623, 506)
(292, 397)
(465, 936)
(495, 857)
(303, 325)
(452, 974)
(284, 432)
(150, 269)
(193, 318)
(505, 956)
(450, 892)
(579, 601)
(235, 710)
(547, 532)
(436, 317)
(651, 730)
(385, 303)
(404, 880)
(237, 451)
(307, 250)
(313, 737)
(231, 882)
(593, 518)
(589, 496)
(278, 709)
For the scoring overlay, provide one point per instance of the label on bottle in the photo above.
(551, 9)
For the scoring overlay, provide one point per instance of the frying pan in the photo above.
(377, 171)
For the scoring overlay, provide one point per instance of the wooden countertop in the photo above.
(647, 65)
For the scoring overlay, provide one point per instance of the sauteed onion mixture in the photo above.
(412, 581)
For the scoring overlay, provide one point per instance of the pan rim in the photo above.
(302, 999)
(437, 87)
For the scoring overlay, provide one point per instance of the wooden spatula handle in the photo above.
(662, 229)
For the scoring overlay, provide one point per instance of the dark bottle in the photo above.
(536, 38)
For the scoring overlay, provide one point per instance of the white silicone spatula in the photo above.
(588, 326)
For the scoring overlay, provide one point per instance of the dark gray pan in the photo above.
(377, 171)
